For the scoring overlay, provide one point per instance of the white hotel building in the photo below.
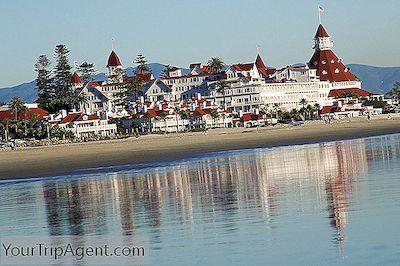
(254, 85)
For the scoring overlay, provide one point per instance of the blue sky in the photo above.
(179, 32)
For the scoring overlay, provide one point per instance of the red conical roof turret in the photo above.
(76, 79)
(321, 32)
(113, 60)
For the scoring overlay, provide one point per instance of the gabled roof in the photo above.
(159, 83)
(329, 67)
(321, 32)
(113, 60)
(339, 92)
(76, 79)
(172, 69)
(193, 65)
(78, 117)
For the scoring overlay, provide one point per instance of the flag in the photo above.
(321, 9)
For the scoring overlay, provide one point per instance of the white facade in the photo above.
(88, 127)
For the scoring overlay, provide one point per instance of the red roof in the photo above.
(321, 32)
(243, 67)
(76, 79)
(38, 112)
(96, 83)
(329, 67)
(199, 112)
(78, 117)
(329, 110)
(339, 92)
(145, 77)
(260, 63)
(250, 117)
(113, 60)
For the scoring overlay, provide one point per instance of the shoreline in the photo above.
(37, 162)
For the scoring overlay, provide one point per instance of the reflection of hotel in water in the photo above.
(215, 189)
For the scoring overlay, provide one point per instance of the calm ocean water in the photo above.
(320, 204)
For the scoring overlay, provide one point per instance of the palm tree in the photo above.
(185, 114)
(294, 113)
(277, 110)
(395, 91)
(216, 64)
(317, 108)
(222, 85)
(163, 115)
(309, 109)
(264, 111)
(77, 97)
(147, 118)
(303, 102)
(176, 111)
(214, 115)
(17, 106)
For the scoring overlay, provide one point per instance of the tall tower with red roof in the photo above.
(112, 65)
(329, 67)
(76, 81)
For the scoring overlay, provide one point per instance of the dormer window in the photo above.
(337, 70)
(346, 70)
(332, 61)
(324, 72)
(323, 62)
(315, 63)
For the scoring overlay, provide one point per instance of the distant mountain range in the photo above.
(374, 79)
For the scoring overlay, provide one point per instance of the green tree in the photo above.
(77, 97)
(165, 72)
(130, 89)
(176, 111)
(395, 91)
(44, 82)
(186, 115)
(86, 71)
(222, 86)
(214, 115)
(17, 107)
(163, 115)
(303, 102)
(142, 67)
(215, 64)
(62, 72)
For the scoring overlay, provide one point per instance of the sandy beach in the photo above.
(62, 159)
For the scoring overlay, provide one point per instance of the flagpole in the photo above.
(319, 14)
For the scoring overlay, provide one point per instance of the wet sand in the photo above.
(63, 159)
